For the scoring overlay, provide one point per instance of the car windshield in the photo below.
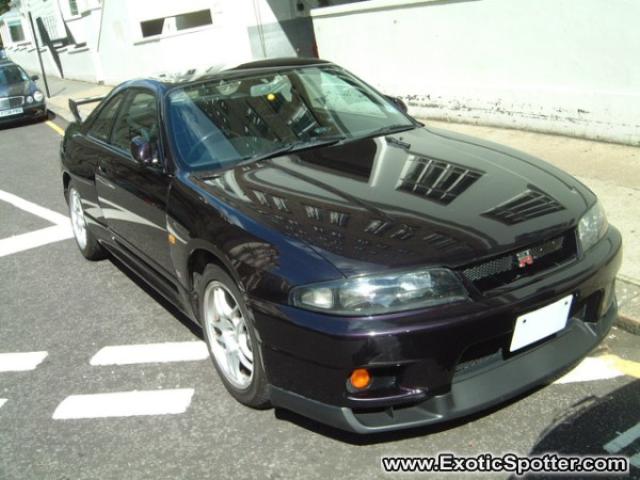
(220, 123)
(12, 74)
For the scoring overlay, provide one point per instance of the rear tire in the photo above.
(85, 239)
(227, 326)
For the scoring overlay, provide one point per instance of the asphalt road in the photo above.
(54, 301)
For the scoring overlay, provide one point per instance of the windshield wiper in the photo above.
(386, 130)
(291, 147)
(286, 148)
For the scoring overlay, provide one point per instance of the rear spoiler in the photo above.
(74, 104)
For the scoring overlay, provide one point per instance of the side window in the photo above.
(101, 128)
(139, 118)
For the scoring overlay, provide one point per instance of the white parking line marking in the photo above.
(27, 206)
(2, 401)
(21, 362)
(124, 404)
(26, 241)
(61, 230)
(623, 440)
(151, 353)
(590, 369)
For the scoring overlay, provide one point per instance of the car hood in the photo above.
(423, 197)
(16, 89)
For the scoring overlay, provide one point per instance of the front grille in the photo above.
(501, 271)
(480, 355)
(7, 103)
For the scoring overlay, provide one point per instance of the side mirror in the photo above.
(35, 77)
(142, 151)
(397, 101)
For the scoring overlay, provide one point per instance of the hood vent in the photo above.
(437, 180)
(530, 204)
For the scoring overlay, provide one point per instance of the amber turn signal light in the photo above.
(360, 378)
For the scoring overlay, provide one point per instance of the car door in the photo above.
(133, 195)
(84, 152)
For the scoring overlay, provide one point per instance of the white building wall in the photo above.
(564, 66)
(80, 64)
(51, 16)
(125, 54)
(27, 57)
(110, 46)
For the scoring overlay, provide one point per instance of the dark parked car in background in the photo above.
(20, 98)
(344, 261)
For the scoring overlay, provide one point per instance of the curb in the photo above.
(628, 324)
(66, 115)
(628, 296)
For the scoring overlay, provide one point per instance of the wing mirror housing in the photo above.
(35, 77)
(142, 151)
(397, 101)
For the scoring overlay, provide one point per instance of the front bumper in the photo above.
(436, 365)
(477, 392)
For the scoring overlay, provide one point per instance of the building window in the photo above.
(73, 8)
(262, 198)
(16, 32)
(312, 212)
(377, 227)
(280, 203)
(403, 233)
(184, 21)
(338, 218)
(52, 27)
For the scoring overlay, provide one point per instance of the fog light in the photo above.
(360, 378)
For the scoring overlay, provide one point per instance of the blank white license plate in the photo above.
(541, 323)
(13, 111)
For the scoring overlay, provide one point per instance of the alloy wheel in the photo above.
(78, 222)
(228, 336)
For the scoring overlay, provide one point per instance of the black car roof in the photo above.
(280, 62)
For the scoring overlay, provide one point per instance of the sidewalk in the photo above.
(611, 171)
(62, 90)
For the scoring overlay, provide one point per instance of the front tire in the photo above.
(86, 241)
(229, 333)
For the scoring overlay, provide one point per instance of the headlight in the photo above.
(592, 227)
(377, 294)
(38, 96)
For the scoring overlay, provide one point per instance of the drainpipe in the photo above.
(35, 38)
(256, 11)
